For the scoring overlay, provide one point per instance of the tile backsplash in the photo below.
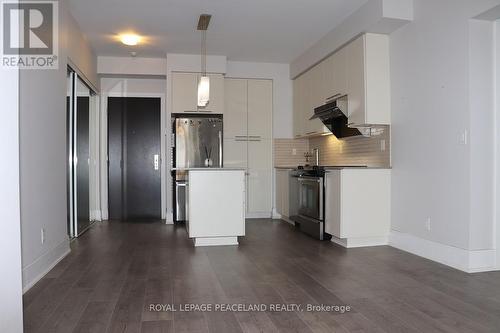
(284, 150)
(373, 151)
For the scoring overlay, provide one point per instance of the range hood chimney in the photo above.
(334, 118)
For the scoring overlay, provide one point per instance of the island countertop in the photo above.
(209, 169)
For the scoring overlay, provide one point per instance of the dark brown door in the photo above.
(134, 135)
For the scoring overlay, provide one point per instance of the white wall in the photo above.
(482, 133)
(43, 157)
(377, 16)
(497, 136)
(79, 52)
(11, 308)
(282, 90)
(131, 66)
(441, 73)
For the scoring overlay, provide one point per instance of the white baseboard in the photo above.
(259, 215)
(95, 215)
(361, 241)
(35, 271)
(465, 260)
(276, 215)
(215, 241)
(170, 218)
(104, 215)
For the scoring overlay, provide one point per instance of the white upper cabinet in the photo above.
(297, 112)
(307, 96)
(368, 78)
(359, 70)
(185, 93)
(260, 109)
(235, 117)
(337, 78)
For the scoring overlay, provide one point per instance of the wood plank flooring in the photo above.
(117, 269)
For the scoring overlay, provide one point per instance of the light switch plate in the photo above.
(463, 137)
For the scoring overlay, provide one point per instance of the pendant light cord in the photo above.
(204, 53)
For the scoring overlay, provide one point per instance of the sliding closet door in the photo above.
(69, 139)
(82, 157)
(78, 102)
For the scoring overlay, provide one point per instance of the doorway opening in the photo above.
(134, 154)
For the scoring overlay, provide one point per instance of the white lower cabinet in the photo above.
(357, 206)
(260, 178)
(216, 204)
(282, 193)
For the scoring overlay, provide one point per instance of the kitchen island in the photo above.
(216, 205)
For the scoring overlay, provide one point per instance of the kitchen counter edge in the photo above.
(209, 169)
(335, 168)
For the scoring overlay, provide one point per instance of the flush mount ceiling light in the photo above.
(130, 39)
(204, 83)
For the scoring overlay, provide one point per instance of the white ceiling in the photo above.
(251, 30)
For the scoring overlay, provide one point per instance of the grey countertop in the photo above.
(333, 167)
(209, 169)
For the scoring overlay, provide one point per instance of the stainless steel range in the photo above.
(307, 200)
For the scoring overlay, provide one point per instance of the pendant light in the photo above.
(204, 83)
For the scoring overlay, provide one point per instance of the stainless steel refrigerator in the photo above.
(197, 144)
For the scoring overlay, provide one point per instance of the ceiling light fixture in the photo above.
(204, 83)
(130, 39)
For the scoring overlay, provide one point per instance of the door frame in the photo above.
(104, 148)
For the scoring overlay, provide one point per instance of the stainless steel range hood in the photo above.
(334, 118)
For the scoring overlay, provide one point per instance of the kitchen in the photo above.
(233, 133)
(249, 153)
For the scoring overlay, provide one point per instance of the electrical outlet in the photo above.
(382, 145)
(428, 224)
(42, 235)
(294, 151)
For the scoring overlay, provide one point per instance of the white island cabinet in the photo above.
(216, 206)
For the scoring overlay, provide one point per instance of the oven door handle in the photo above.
(309, 179)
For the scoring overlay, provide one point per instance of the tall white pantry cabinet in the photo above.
(248, 139)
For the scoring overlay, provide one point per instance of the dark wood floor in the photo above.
(116, 270)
